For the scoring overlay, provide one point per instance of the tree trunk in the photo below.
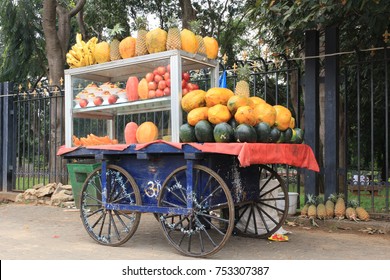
(188, 13)
(57, 44)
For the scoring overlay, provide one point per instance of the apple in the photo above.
(152, 85)
(184, 91)
(98, 101)
(190, 86)
(155, 72)
(195, 86)
(168, 82)
(159, 93)
(113, 99)
(183, 83)
(161, 70)
(151, 94)
(167, 91)
(158, 78)
(186, 76)
(167, 76)
(162, 84)
(83, 103)
(149, 77)
(169, 68)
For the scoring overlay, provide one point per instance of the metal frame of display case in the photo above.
(120, 70)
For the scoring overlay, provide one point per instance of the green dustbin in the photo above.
(78, 173)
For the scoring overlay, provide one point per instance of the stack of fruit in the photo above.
(93, 140)
(334, 207)
(219, 115)
(146, 42)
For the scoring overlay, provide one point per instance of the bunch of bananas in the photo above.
(81, 53)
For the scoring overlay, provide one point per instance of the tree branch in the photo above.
(79, 5)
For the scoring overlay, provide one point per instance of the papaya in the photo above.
(197, 114)
(146, 132)
(143, 89)
(217, 95)
(132, 88)
(283, 117)
(218, 113)
(265, 112)
(246, 114)
(237, 101)
(130, 133)
(193, 99)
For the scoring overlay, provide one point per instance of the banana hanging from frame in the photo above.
(81, 53)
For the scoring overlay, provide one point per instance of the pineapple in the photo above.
(140, 44)
(115, 34)
(362, 214)
(350, 212)
(173, 37)
(242, 87)
(195, 27)
(339, 208)
(304, 210)
(321, 210)
(312, 211)
(329, 206)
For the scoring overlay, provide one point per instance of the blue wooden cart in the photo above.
(198, 197)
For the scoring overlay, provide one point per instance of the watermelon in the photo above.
(262, 130)
(245, 133)
(223, 133)
(204, 131)
(274, 135)
(187, 133)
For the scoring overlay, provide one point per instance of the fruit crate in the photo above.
(78, 173)
(120, 71)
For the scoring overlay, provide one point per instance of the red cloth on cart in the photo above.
(299, 155)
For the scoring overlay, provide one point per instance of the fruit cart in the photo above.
(200, 193)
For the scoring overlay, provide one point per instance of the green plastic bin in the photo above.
(78, 173)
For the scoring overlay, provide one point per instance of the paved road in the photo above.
(31, 232)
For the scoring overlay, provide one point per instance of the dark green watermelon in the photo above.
(223, 133)
(187, 133)
(204, 131)
(233, 123)
(262, 130)
(274, 135)
(245, 133)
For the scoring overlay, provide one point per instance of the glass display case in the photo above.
(110, 79)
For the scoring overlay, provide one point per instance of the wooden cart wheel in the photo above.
(204, 231)
(264, 216)
(110, 227)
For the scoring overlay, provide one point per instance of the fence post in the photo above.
(6, 138)
(331, 141)
(312, 105)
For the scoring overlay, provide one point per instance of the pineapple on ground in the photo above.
(321, 209)
(173, 37)
(329, 206)
(242, 87)
(304, 210)
(350, 212)
(362, 214)
(312, 210)
(339, 208)
(140, 44)
(196, 28)
(116, 35)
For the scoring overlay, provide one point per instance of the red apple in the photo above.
(158, 78)
(151, 94)
(149, 77)
(186, 76)
(155, 72)
(161, 70)
(190, 86)
(183, 83)
(159, 93)
(184, 91)
(98, 101)
(168, 82)
(152, 85)
(83, 103)
(167, 91)
(168, 68)
(113, 98)
(195, 86)
(167, 76)
(162, 84)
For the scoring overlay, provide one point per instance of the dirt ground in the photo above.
(30, 232)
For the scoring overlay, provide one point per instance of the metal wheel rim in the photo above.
(109, 227)
(255, 209)
(191, 234)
